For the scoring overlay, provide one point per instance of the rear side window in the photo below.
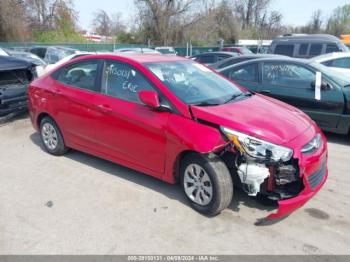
(303, 49)
(247, 73)
(82, 75)
(316, 49)
(332, 48)
(287, 50)
(123, 81)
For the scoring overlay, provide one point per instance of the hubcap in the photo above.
(49, 136)
(197, 184)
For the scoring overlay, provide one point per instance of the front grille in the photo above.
(316, 178)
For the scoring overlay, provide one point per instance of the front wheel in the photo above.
(207, 183)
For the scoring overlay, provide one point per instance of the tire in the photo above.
(219, 179)
(51, 137)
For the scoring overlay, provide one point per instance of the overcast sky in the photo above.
(295, 12)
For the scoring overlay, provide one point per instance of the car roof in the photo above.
(250, 57)
(271, 59)
(216, 53)
(137, 57)
(306, 37)
(329, 56)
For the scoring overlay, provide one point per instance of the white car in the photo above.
(339, 62)
(64, 60)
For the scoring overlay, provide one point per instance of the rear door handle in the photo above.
(105, 108)
(265, 92)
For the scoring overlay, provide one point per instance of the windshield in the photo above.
(194, 84)
(342, 79)
(246, 51)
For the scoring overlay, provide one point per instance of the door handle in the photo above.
(105, 108)
(265, 92)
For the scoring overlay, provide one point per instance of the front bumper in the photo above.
(314, 171)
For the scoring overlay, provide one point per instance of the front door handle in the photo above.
(105, 108)
(265, 92)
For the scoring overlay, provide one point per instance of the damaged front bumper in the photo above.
(13, 98)
(314, 173)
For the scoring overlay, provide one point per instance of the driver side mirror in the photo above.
(150, 98)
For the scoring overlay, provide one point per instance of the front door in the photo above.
(292, 83)
(127, 129)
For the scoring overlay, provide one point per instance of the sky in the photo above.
(295, 12)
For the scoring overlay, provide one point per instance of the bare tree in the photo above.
(117, 24)
(102, 23)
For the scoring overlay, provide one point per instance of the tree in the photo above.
(102, 23)
(163, 20)
(339, 21)
(13, 25)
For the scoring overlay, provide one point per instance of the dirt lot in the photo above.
(79, 204)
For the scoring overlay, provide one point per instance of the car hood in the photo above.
(258, 116)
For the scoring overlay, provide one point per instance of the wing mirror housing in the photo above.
(324, 85)
(150, 98)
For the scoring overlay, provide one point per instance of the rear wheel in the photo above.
(51, 137)
(207, 183)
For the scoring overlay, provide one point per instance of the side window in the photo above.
(316, 49)
(123, 81)
(287, 75)
(341, 62)
(222, 57)
(303, 49)
(287, 50)
(82, 75)
(332, 48)
(247, 73)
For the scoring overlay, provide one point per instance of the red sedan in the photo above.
(177, 120)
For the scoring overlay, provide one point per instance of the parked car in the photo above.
(240, 50)
(166, 50)
(306, 46)
(339, 62)
(31, 58)
(293, 81)
(212, 57)
(177, 120)
(53, 54)
(137, 50)
(3, 52)
(239, 59)
(64, 60)
(15, 76)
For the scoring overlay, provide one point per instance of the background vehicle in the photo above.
(177, 120)
(235, 60)
(31, 58)
(293, 81)
(212, 57)
(339, 62)
(166, 50)
(64, 60)
(137, 50)
(52, 54)
(241, 50)
(15, 76)
(306, 46)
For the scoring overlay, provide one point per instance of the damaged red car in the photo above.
(177, 120)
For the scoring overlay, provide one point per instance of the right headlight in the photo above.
(313, 145)
(258, 148)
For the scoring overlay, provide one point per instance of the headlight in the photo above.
(313, 145)
(258, 148)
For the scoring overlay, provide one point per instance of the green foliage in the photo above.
(55, 36)
(126, 38)
(339, 22)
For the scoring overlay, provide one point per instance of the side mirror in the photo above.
(149, 98)
(324, 85)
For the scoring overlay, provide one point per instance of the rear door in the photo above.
(74, 89)
(127, 129)
(292, 83)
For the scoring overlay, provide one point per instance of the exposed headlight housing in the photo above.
(313, 145)
(258, 148)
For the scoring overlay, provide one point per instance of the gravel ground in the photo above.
(79, 204)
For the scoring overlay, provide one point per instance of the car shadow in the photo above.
(171, 191)
(338, 139)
